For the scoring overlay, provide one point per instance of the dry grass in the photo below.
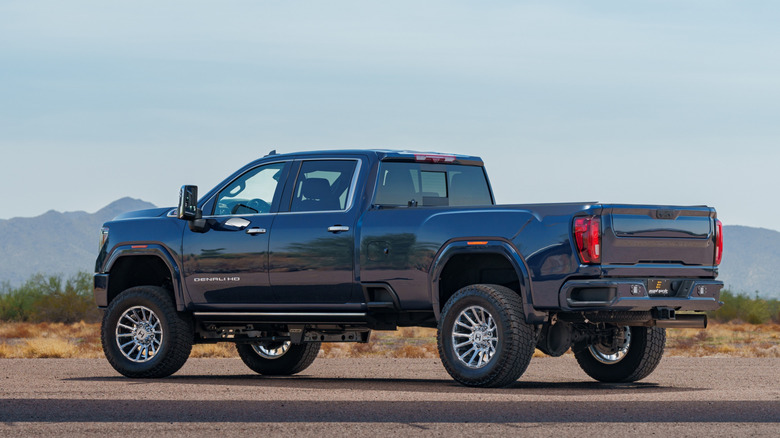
(731, 339)
(82, 340)
(408, 342)
(50, 340)
(221, 350)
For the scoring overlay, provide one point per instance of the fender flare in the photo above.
(490, 245)
(156, 250)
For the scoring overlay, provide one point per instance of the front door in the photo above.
(228, 263)
(312, 245)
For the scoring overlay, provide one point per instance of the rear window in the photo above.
(431, 185)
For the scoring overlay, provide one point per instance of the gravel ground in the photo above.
(339, 397)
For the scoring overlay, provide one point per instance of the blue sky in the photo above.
(655, 102)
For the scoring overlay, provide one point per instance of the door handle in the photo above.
(256, 230)
(338, 228)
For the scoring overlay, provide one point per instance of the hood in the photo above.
(151, 212)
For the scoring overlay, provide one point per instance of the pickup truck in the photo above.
(298, 249)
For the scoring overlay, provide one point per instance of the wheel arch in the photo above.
(144, 265)
(479, 260)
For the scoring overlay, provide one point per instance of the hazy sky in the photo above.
(663, 102)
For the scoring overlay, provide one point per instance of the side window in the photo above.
(252, 193)
(323, 185)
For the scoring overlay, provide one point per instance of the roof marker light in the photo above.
(434, 158)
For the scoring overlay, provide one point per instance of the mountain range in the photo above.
(750, 256)
(54, 242)
(66, 243)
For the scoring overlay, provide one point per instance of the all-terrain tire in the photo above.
(644, 354)
(143, 335)
(507, 342)
(294, 360)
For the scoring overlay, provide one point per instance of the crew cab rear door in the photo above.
(312, 243)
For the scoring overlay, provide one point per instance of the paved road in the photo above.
(372, 397)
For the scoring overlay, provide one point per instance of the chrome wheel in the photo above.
(606, 355)
(139, 334)
(271, 351)
(474, 337)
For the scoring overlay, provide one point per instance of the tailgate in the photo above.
(636, 234)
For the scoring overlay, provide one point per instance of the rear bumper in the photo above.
(631, 295)
(101, 290)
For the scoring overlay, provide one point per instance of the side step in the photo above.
(282, 317)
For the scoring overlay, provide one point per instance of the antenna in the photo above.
(273, 152)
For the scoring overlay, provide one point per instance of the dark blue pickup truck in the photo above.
(297, 249)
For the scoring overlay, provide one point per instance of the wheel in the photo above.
(278, 358)
(635, 359)
(483, 338)
(143, 335)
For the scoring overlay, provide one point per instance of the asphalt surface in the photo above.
(349, 397)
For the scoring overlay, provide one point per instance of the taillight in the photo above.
(587, 236)
(718, 241)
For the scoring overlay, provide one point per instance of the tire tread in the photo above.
(180, 334)
(521, 337)
(298, 358)
(638, 364)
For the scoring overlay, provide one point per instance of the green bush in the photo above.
(774, 310)
(741, 307)
(50, 299)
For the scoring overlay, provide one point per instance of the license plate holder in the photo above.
(659, 287)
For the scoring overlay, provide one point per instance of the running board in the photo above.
(282, 317)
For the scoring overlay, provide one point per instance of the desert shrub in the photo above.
(17, 304)
(741, 307)
(50, 298)
(774, 310)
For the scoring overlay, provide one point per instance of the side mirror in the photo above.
(188, 204)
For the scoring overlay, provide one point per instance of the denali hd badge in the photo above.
(216, 279)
